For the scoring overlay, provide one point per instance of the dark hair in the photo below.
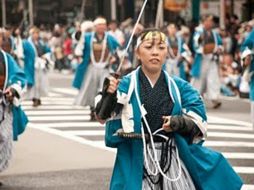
(113, 22)
(77, 35)
(205, 17)
(8, 27)
(234, 16)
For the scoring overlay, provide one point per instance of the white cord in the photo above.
(157, 131)
(104, 44)
(145, 156)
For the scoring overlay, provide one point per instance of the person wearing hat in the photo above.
(36, 65)
(247, 57)
(12, 118)
(205, 69)
(98, 48)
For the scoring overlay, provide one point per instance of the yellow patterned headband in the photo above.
(152, 35)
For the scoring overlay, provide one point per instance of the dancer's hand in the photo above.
(112, 60)
(166, 123)
(113, 84)
(9, 95)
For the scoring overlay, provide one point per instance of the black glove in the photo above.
(107, 104)
(184, 126)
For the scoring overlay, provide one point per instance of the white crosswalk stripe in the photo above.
(59, 116)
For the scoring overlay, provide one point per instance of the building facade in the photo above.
(67, 11)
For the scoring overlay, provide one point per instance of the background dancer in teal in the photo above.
(248, 65)
(12, 119)
(36, 66)
(205, 69)
(99, 46)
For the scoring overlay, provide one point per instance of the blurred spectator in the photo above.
(226, 41)
(230, 76)
(55, 44)
(116, 32)
(67, 51)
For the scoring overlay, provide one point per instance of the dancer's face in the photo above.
(152, 52)
(171, 30)
(101, 28)
(208, 23)
(35, 36)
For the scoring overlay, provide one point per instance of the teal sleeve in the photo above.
(249, 41)
(191, 99)
(15, 73)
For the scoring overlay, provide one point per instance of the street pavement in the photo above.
(62, 149)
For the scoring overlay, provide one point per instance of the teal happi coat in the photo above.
(15, 78)
(30, 54)
(128, 169)
(112, 44)
(197, 63)
(249, 44)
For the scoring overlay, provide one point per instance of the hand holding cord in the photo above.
(181, 124)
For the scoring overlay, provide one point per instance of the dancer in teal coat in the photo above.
(158, 124)
(205, 68)
(16, 80)
(13, 120)
(82, 68)
(36, 66)
(248, 64)
(99, 48)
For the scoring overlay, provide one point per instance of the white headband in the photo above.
(99, 21)
(139, 41)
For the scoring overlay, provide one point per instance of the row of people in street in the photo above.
(64, 44)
